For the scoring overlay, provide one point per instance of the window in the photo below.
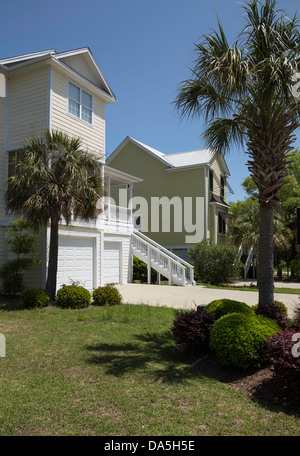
(80, 104)
(222, 218)
(211, 180)
(222, 192)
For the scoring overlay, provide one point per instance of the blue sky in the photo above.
(144, 49)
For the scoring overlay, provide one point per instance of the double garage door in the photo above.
(76, 261)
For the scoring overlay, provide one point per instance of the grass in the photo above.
(113, 371)
(250, 288)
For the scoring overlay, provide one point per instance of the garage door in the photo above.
(75, 261)
(111, 262)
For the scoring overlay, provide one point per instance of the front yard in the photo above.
(113, 371)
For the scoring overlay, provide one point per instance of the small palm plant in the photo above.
(244, 93)
(55, 179)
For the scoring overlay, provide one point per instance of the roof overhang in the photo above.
(138, 144)
(120, 177)
(16, 65)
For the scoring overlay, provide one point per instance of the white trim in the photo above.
(137, 143)
(86, 50)
(91, 85)
(50, 93)
(7, 116)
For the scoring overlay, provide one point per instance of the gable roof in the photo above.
(180, 160)
(64, 59)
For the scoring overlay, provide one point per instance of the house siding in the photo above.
(157, 182)
(28, 106)
(92, 136)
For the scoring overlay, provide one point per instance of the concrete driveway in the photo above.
(192, 296)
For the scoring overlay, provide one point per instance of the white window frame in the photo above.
(91, 124)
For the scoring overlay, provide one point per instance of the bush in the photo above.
(277, 312)
(221, 307)
(284, 362)
(191, 329)
(106, 295)
(21, 244)
(73, 297)
(240, 340)
(35, 297)
(214, 263)
(295, 269)
(140, 272)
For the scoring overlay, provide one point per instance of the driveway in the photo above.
(192, 296)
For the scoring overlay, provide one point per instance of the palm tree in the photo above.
(54, 179)
(244, 93)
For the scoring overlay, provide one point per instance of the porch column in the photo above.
(130, 202)
(108, 197)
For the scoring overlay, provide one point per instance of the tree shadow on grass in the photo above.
(10, 304)
(153, 353)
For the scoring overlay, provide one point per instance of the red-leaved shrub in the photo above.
(192, 329)
(283, 354)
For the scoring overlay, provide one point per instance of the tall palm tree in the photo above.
(244, 93)
(55, 179)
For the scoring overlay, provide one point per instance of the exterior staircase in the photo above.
(248, 260)
(161, 260)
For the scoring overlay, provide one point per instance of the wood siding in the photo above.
(92, 136)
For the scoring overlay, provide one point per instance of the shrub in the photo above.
(240, 340)
(277, 312)
(21, 244)
(284, 362)
(140, 272)
(191, 329)
(214, 263)
(295, 269)
(73, 297)
(106, 295)
(35, 297)
(221, 307)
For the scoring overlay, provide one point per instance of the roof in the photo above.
(194, 158)
(61, 58)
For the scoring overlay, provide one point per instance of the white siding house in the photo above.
(67, 92)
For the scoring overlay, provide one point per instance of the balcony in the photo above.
(117, 214)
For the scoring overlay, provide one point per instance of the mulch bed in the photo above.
(258, 384)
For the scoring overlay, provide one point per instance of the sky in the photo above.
(145, 49)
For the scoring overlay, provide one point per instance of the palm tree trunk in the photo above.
(266, 257)
(53, 254)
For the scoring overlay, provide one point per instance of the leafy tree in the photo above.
(214, 263)
(56, 179)
(244, 93)
(21, 245)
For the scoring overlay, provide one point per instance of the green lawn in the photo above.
(113, 372)
(283, 290)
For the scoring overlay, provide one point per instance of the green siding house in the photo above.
(182, 197)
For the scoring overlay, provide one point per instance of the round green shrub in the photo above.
(107, 295)
(240, 340)
(221, 307)
(73, 297)
(35, 297)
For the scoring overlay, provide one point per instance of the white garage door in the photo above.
(75, 261)
(111, 262)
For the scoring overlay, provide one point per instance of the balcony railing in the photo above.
(117, 213)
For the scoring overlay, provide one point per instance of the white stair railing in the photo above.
(162, 260)
(248, 261)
